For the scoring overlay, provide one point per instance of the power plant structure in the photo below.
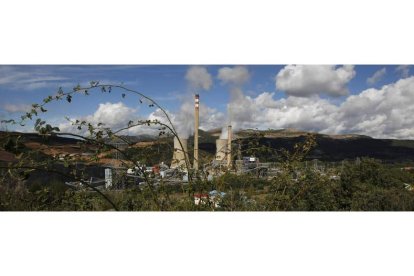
(180, 154)
(221, 149)
(196, 125)
(180, 171)
(223, 146)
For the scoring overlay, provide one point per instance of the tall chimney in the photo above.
(196, 124)
(229, 147)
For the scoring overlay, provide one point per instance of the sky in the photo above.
(374, 100)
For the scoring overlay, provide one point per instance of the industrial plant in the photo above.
(183, 165)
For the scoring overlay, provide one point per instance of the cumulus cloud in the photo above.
(199, 78)
(377, 76)
(307, 80)
(404, 70)
(16, 108)
(265, 112)
(380, 113)
(112, 115)
(385, 112)
(238, 75)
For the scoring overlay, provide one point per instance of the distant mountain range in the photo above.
(328, 148)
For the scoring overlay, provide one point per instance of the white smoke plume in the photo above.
(199, 78)
(183, 120)
(224, 133)
(235, 77)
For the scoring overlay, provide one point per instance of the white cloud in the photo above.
(265, 112)
(15, 108)
(404, 70)
(377, 76)
(307, 80)
(113, 115)
(381, 113)
(384, 112)
(29, 79)
(32, 77)
(199, 78)
(238, 75)
(117, 116)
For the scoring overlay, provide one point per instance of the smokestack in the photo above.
(229, 146)
(221, 149)
(180, 154)
(196, 124)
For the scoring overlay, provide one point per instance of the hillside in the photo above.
(329, 147)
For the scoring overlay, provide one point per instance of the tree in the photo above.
(97, 137)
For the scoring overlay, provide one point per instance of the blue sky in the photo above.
(22, 85)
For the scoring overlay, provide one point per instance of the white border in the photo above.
(207, 32)
(206, 243)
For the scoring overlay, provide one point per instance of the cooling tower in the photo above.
(179, 155)
(221, 149)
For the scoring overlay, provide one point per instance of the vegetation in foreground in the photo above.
(367, 186)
